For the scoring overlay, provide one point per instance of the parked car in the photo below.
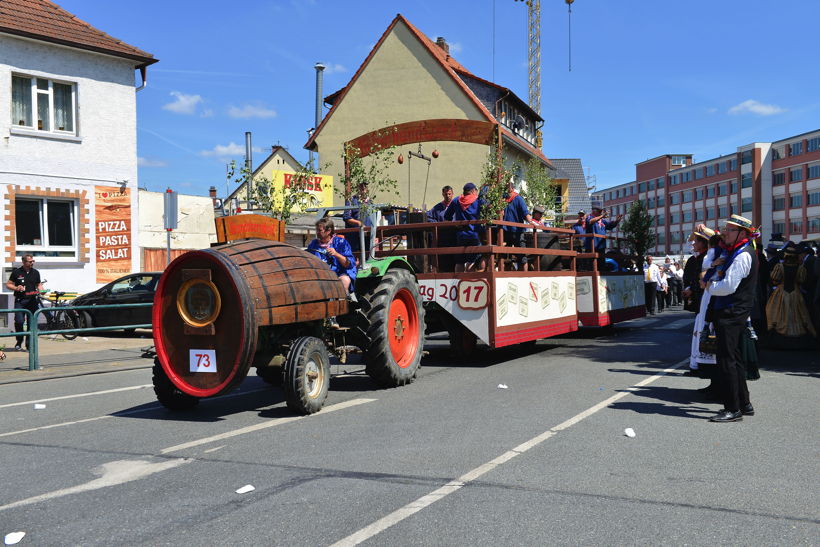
(132, 289)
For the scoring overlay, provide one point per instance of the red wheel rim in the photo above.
(403, 328)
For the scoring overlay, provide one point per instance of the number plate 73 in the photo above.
(202, 360)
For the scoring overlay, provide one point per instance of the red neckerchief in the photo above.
(466, 201)
(731, 248)
(512, 196)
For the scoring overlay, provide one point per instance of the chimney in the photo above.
(442, 43)
(212, 194)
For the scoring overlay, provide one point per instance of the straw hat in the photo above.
(741, 222)
(705, 233)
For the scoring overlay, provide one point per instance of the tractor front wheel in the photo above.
(306, 375)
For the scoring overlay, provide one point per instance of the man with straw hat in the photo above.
(733, 298)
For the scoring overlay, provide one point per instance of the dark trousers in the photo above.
(649, 290)
(731, 368)
(661, 298)
(31, 304)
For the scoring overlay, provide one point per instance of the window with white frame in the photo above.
(43, 105)
(46, 227)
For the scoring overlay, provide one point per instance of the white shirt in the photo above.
(738, 270)
(652, 273)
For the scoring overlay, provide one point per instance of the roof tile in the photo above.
(45, 20)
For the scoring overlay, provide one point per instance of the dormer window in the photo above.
(44, 105)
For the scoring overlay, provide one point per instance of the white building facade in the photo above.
(68, 152)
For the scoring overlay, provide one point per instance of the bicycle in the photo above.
(59, 319)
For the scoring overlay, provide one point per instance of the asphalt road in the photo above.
(452, 459)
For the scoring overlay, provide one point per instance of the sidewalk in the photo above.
(60, 358)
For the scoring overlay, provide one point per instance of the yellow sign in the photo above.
(319, 187)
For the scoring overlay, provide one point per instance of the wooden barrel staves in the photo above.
(210, 304)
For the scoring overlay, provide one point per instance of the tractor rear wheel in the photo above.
(306, 375)
(167, 393)
(392, 317)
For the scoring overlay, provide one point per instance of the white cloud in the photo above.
(183, 104)
(207, 113)
(755, 107)
(227, 151)
(251, 111)
(148, 162)
(335, 68)
(711, 110)
(455, 48)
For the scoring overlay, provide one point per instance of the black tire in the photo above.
(274, 376)
(306, 375)
(168, 394)
(380, 362)
(68, 320)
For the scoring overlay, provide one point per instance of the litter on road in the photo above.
(502, 386)
(39, 406)
(245, 489)
(13, 538)
(629, 432)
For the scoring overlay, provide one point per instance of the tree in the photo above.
(541, 190)
(495, 179)
(367, 177)
(292, 197)
(639, 228)
(279, 203)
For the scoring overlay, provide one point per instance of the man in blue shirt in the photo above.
(436, 214)
(467, 207)
(597, 224)
(352, 220)
(515, 211)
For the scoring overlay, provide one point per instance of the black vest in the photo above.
(742, 300)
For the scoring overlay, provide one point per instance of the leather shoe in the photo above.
(727, 416)
(748, 410)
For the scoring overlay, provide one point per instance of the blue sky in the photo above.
(648, 77)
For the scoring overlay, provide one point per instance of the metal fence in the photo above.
(35, 331)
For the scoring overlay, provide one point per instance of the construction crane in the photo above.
(534, 55)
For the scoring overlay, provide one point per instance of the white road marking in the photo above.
(264, 425)
(118, 414)
(61, 424)
(111, 474)
(453, 486)
(76, 396)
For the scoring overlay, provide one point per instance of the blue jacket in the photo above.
(455, 212)
(341, 246)
(599, 228)
(354, 213)
(436, 214)
(516, 211)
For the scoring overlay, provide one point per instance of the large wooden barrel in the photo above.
(210, 305)
(546, 240)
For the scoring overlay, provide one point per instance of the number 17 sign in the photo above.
(202, 360)
(473, 294)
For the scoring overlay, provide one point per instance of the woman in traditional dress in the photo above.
(697, 358)
(786, 313)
